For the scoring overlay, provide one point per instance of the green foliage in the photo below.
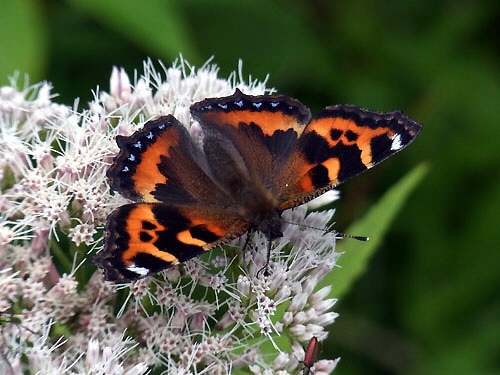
(376, 223)
(433, 286)
(23, 39)
(154, 24)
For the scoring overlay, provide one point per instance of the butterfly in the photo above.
(258, 156)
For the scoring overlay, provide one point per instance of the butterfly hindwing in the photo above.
(129, 244)
(143, 238)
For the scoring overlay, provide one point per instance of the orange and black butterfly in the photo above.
(259, 156)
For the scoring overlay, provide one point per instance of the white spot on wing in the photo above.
(324, 199)
(141, 271)
(396, 142)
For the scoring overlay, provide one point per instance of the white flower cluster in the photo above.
(213, 314)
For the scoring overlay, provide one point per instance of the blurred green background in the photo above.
(429, 301)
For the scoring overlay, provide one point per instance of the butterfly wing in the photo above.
(161, 163)
(144, 238)
(184, 212)
(253, 135)
(341, 142)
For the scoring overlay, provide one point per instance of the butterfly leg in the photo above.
(247, 241)
(265, 269)
(268, 257)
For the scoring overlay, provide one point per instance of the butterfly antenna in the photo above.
(344, 235)
(337, 234)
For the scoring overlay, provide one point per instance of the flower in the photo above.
(213, 314)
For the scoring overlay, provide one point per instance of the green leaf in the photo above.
(23, 40)
(155, 25)
(375, 224)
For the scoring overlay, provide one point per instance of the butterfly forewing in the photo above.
(341, 142)
(259, 131)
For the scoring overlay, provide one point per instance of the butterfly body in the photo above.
(258, 155)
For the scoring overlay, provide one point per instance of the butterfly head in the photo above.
(259, 208)
(270, 226)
